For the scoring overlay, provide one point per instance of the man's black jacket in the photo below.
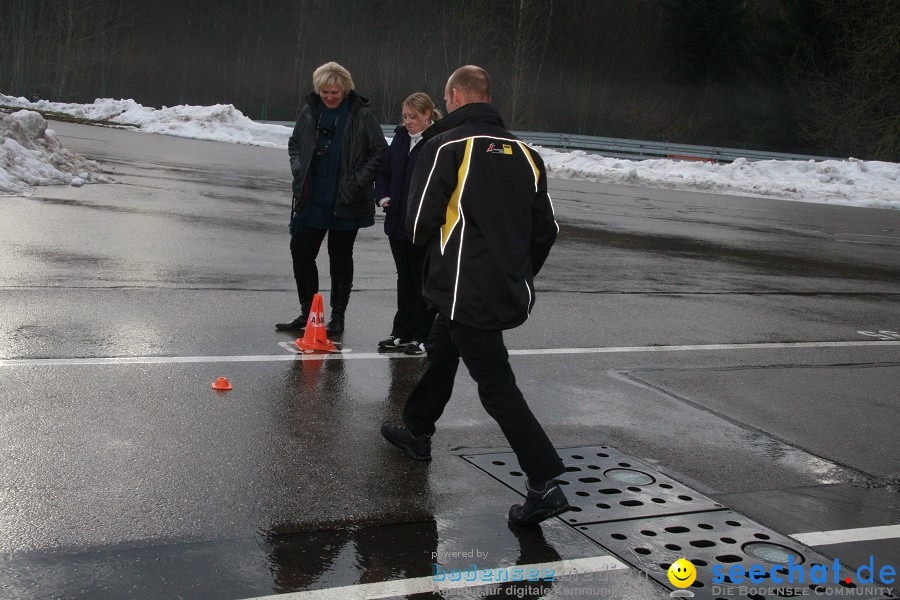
(479, 199)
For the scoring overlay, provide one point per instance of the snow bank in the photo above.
(30, 154)
(219, 123)
(850, 182)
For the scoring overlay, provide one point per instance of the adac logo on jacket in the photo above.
(506, 149)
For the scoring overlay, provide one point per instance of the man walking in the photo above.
(478, 199)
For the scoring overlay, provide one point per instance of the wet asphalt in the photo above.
(727, 336)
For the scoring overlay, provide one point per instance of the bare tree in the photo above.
(853, 100)
(525, 31)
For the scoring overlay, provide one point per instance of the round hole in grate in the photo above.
(499, 463)
(705, 526)
(582, 493)
(698, 584)
(648, 532)
(603, 455)
(610, 491)
(619, 536)
(658, 500)
(572, 469)
(642, 551)
(761, 536)
(733, 523)
(729, 540)
(677, 529)
(562, 482)
(844, 583)
(603, 506)
(574, 509)
(624, 464)
(817, 588)
(631, 503)
(702, 543)
(665, 486)
(594, 467)
(665, 566)
(756, 597)
(629, 476)
(772, 553)
(632, 488)
(698, 562)
(589, 480)
(577, 457)
(685, 498)
(515, 473)
(673, 547)
(729, 558)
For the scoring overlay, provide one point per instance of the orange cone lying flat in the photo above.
(315, 338)
(222, 383)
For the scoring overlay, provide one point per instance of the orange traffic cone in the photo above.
(315, 337)
(222, 384)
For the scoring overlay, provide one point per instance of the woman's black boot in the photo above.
(306, 289)
(340, 296)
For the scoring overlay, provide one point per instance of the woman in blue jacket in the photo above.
(413, 319)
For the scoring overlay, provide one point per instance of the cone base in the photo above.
(326, 346)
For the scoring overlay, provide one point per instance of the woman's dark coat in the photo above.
(362, 151)
(393, 182)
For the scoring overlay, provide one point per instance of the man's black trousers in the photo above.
(487, 360)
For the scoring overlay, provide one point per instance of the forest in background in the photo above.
(812, 76)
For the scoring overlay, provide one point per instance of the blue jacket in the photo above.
(393, 180)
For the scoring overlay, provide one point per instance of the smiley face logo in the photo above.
(682, 573)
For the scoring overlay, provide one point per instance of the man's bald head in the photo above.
(466, 85)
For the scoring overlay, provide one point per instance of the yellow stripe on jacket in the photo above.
(454, 212)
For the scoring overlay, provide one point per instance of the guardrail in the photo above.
(643, 149)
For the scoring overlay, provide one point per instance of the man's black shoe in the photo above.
(295, 325)
(539, 505)
(417, 447)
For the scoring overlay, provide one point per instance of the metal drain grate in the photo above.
(650, 521)
(602, 484)
(725, 538)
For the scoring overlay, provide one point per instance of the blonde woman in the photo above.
(412, 320)
(335, 151)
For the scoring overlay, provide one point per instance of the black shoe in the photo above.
(392, 342)
(414, 348)
(539, 505)
(297, 324)
(417, 447)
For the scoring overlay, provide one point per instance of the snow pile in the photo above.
(850, 182)
(219, 123)
(30, 154)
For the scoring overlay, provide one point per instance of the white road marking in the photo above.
(842, 536)
(346, 354)
(423, 585)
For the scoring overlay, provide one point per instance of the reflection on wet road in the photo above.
(724, 341)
